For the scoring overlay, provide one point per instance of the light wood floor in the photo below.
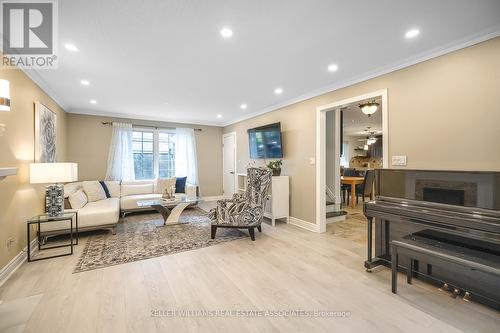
(285, 268)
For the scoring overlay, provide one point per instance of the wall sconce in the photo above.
(4, 95)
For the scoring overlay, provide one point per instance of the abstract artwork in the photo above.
(45, 134)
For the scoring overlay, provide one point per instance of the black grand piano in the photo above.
(451, 218)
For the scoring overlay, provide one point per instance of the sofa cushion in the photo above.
(94, 214)
(138, 182)
(129, 202)
(70, 188)
(113, 187)
(78, 199)
(94, 191)
(127, 190)
(162, 184)
(180, 185)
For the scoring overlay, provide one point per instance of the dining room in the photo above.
(356, 146)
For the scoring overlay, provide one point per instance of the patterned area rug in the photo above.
(138, 238)
(353, 228)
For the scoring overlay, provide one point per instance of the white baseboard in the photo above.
(304, 224)
(16, 262)
(213, 198)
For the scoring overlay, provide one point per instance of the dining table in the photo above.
(353, 181)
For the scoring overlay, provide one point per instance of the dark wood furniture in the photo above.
(440, 249)
(441, 214)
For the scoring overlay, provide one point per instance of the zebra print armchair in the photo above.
(244, 210)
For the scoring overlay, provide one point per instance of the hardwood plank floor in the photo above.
(285, 268)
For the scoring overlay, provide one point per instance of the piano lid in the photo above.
(460, 188)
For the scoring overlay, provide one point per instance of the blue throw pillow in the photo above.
(180, 185)
(105, 188)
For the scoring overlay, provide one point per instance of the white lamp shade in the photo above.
(4, 95)
(49, 173)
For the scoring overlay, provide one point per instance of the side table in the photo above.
(38, 220)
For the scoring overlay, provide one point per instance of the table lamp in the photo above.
(53, 173)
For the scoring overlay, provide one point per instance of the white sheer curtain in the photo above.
(186, 163)
(120, 157)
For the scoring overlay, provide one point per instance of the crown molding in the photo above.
(37, 79)
(421, 57)
(109, 114)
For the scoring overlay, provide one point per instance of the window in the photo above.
(154, 153)
(166, 162)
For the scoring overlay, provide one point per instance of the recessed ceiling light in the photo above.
(333, 68)
(412, 33)
(85, 82)
(219, 116)
(226, 33)
(278, 91)
(71, 47)
(243, 106)
(93, 101)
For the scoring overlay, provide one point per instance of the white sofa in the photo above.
(105, 214)
(137, 190)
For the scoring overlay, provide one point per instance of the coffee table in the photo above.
(170, 210)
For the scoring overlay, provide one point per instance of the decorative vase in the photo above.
(277, 172)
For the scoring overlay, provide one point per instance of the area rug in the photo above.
(353, 228)
(138, 238)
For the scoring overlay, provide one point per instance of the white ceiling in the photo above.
(356, 122)
(139, 55)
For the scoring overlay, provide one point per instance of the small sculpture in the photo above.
(169, 193)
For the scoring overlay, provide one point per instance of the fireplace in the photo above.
(450, 192)
(444, 195)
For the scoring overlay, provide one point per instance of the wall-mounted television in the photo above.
(265, 141)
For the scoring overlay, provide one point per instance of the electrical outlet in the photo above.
(10, 242)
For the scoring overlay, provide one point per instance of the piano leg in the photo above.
(409, 271)
(370, 235)
(394, 264)
(371, 262)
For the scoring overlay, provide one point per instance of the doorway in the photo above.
(229, 164)
(328, 168)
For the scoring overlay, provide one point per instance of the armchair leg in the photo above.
(214, 230)
(251, 231)
(259, 228)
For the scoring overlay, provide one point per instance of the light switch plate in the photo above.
(312, 161)
(399, 160)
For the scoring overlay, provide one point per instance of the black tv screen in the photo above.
(265, 141)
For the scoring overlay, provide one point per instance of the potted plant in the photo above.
(275, 166)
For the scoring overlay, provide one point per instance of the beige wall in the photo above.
(443, 114)
(18, 199)
(88, 145)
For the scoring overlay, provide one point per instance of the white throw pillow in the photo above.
(94, 191)
(163, 183)
(78, 199)
(70, 188)
(136, 189)
(113, 188)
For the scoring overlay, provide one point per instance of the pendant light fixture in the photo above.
(369, 108)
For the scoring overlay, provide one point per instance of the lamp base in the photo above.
(54, 200)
